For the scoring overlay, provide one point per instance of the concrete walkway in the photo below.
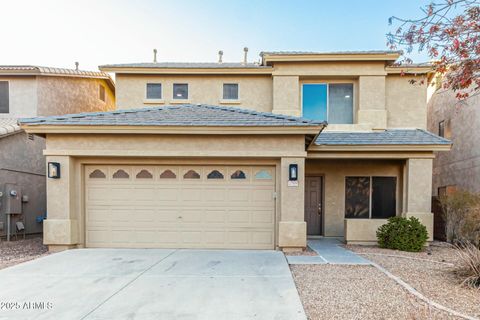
(151, 284)
(329, 251)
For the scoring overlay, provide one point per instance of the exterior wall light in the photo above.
(293, 172)
(54, 170)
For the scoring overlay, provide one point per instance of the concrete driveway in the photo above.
(151, 284)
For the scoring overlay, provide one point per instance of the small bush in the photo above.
(467, 267)
(402, 234)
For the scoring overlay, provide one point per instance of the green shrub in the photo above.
(402, 234)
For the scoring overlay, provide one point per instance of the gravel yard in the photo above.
(14, 252)
(356, 292)
(429, 273)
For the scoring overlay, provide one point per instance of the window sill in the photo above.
(179, 101)
(230, 101)
(154, 101)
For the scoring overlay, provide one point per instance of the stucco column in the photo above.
(292, 229)
(418, 188)
(60, 229)
(371, 101)
(286, 95)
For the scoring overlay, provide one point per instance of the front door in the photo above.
(313, 205)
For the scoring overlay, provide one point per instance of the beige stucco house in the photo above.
(458, 121)
(30, 91)
(243, 155)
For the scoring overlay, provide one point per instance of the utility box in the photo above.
(12, 199)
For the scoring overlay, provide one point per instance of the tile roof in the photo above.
(386, 137)
(8, 126)
(187, 65)
(178, 115)
(51, 71)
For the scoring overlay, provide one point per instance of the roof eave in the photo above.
(409, 70)
(384, 147)
(329, 57)
(137, 70)
(124, 129)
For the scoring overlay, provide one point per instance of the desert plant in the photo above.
(402, 234)
(461, 212)
(467, 266)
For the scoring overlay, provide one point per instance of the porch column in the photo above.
(292, 229)
(418, 192)
(60, 229)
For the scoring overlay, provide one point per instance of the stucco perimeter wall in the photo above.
(334, 172)
(22, 97)
(406, 102)
(64, 227)
(255, 91)
(63, 95)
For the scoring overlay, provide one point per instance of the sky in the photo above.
(58, 33)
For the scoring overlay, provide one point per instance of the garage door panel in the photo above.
(157, 207)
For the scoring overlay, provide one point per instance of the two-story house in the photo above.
(243, 155)
(30, 91)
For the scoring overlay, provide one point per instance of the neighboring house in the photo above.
(232, 155)
(30, 91)
(458, 121)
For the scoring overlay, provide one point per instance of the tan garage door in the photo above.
(180, 206)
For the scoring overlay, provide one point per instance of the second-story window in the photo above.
(101, 92)
(331, 102)
(4, 97)
(230, 91)
(441, 128)
(180, 91)
(154, 91)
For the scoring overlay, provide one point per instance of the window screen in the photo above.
(384, 197)
(4, 97)
(230, 91)
(340, 103)
(180, 91)
(357, 197)
(154, 91)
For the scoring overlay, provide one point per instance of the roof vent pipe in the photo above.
(245, 53)
(154, 55)
(220, 56)
(76, 65)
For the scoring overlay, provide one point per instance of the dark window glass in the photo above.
(441, 128)
(340, 103)
(180, 91)
(121, 174)
(230, 91)
(154, 91)
(215, 174)
(4, 97)
(191, 174)
(384, 203)
(357, 197)
(239, 174)
(101, 93)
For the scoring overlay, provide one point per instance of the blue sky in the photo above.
(58, 33)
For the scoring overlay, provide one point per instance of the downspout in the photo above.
(316, 136)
